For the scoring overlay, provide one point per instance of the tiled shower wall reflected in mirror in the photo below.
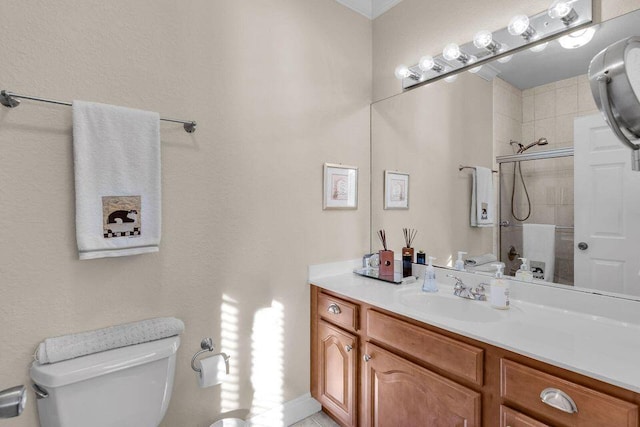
(549, 183)
(525, 116)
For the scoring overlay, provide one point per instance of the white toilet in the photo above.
(124, 387)
(229, 422)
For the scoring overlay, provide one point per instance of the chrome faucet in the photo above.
(461, 290)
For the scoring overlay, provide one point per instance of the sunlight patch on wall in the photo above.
(230, 390)
(267, 361)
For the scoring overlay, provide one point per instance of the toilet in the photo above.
(229, 422)
(124, 387)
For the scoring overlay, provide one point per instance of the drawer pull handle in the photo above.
(348, 348)
(334, 309)
(558, 399)
(366, 357)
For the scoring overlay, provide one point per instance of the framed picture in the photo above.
(396, 190)
(340, 187)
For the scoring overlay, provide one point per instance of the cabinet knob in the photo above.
(366, 357)
(558, 399)
(334, 309)
(348, 348)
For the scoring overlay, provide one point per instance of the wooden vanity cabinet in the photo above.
(337, 372)
(400, 393)
(400, 372)
(512, 418)
(334, 356)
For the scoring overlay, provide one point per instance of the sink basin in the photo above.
(450, 306)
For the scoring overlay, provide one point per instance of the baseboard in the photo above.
(288, 413)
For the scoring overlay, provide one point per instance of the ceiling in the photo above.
(370, 8)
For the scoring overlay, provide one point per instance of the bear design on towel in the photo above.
(120, 217)
(122, 223)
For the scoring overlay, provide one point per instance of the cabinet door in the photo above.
(511, 418)
(399, 393)
(337, 372)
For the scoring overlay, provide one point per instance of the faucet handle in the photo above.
(458, 280)
(479, 292)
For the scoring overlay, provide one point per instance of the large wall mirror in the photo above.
(564, 190)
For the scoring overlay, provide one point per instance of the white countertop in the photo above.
(590, 334)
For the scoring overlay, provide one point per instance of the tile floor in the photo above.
(319, 419)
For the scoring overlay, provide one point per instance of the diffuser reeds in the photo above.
(383, 238)
(409, 236)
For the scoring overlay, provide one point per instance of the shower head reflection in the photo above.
(541, 141)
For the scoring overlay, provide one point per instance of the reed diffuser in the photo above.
(386, 257)
(409, 236)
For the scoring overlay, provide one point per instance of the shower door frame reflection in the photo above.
(561, 230)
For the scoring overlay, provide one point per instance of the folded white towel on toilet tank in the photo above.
(65, 347)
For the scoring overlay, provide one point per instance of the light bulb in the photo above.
(577, 38)
(482, 39)
(505, 59)
(402, 72)
(539, 48)
(426, 63)
(559, 9)
(451, 79)
(518, 25)
(451, 52)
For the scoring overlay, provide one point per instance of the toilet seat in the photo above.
(229, 422)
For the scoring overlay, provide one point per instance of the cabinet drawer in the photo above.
(511, 418)
(523, 385)
(338, 311)
(453, 356)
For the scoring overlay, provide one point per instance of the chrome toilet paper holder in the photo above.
(207, 346)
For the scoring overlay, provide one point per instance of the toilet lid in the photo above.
(229, 422)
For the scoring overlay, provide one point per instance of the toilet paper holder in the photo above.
(207, 345)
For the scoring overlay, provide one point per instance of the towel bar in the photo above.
(460, 167)
(8, 99)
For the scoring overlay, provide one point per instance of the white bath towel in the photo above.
(117, 174)
(539, 247)
(473, 261)
(482, 207)
(56, 349)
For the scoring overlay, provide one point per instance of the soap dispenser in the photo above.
(430, 284)
(499, 293)
(459, 265)
(524, 273)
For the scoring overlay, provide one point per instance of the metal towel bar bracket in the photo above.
(207, 346)
(9, 100)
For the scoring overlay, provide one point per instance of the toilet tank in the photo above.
(124, 387)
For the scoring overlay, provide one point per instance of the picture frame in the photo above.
(396, 190)
(340, 187)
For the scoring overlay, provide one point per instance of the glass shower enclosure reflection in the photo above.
(536, 193)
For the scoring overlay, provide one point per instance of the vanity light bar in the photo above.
(523, 32)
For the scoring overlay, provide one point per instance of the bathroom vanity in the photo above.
(385, 355)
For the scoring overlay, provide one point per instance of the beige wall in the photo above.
(272, 86)
(428, 133)
(414, 28)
